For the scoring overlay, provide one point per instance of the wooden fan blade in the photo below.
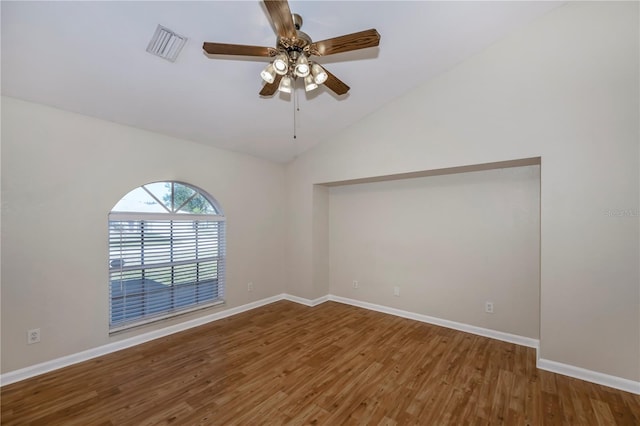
(335, 84)
(345, 43)
(280, 15)
(237, 49)
(270, 88)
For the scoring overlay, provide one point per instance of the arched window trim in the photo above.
(214, 203)
(167, 289)
(165, 216)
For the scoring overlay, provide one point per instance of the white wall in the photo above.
(450, 242)
(564, 89)
(61, 175)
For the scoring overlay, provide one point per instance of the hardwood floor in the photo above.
(332, 364)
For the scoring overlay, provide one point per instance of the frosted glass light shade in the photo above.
(268, 74)
(319, 74)
(286, 84)
(309, 84)
(302, 68)
(281, 64)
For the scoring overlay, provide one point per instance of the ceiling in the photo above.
(90, 57)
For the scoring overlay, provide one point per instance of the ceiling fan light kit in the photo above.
(309, 83)
(319, 74)
(286, 84)
(293, 50)
(268, 74)
(302, 66)
(281, 63)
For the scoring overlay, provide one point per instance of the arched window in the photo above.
(166, 254)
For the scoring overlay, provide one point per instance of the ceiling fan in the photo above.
(293, 50)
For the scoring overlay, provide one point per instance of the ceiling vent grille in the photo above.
(166, 44)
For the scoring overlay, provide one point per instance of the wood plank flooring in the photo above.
(332, 364)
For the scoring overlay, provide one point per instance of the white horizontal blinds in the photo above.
(158, 267)
(166, 253)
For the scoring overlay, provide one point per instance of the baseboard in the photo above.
(303, 301)
(589, 375)
(54, 364)
(485, 332)
(543, 364)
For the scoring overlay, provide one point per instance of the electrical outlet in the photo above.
(250, 287)
(33, 336)
(396, 291)
(488, 307)
(355, 284)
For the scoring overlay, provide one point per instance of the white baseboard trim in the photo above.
(485, 332)
(303, 301)
(589, 375)
(543, 364)
(54, 364)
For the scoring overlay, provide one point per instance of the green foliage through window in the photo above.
(183, 199)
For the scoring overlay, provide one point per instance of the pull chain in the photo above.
(296, 108)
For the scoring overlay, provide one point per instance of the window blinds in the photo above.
(158, 266)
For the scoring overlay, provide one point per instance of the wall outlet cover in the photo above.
(488, 307)
(33, 336)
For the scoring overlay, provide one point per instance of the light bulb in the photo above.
(309, 84)
(286, 84)
(302, 66)
(281, 63)
(268, 74)
(319, 74)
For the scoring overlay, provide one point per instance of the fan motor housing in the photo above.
(298, 44)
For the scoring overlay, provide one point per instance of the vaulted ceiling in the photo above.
(90, 57)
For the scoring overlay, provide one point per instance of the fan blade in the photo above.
(280, 15)
(345, 43)
(335, 84)
(270, 88)
(237, 49)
